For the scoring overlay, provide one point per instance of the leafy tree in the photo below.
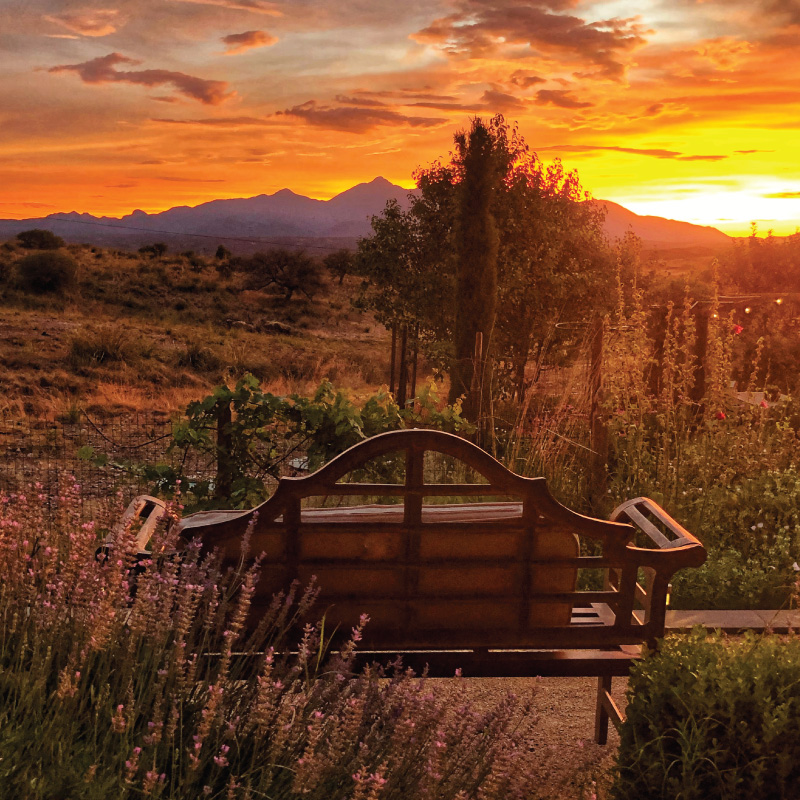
(339, 263)
(553, 262)
(47, 272)
(289, 271)
(222, 253)
(39, 239)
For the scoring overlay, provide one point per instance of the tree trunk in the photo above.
(402, 380)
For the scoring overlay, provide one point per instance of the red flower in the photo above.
(764, 404)
(737, 329)
(720, 415)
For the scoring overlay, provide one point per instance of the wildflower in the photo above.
(118, 721)
(720, 415)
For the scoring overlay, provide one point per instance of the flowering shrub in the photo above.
(124, 679)
(710, 718)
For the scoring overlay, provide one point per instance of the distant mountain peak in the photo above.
(288, 214)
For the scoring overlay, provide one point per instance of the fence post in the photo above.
(392, 359)
(698, 392)
(223, 484)
(402, 379)
(597, 427)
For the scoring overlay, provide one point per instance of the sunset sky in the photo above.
(688, 109)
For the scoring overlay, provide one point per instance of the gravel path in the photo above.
(566, 759)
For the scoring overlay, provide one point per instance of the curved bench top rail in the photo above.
(533, 492)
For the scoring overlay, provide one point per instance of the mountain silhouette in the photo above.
(287, 218)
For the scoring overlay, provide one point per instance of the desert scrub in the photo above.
(710, 719)
(48, 271)
(124, 679)
(106, 344)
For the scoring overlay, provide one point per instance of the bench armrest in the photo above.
(671, 537)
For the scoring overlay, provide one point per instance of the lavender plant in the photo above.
(125, 679)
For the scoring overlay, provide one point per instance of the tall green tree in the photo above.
(476, 244)
(553, 262)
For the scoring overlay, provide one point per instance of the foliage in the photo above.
(553, 262)
(252, 434)
(711, 719)
(156, 250)
(477, 244)
(39, 239)
(768, 264)
(126, 679)
(287, 270)
(48, 271)
(339, 263)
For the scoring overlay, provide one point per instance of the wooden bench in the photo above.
(486, 587)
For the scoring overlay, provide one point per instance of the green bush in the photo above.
(47, 272)
(39, 239)
(710, 718)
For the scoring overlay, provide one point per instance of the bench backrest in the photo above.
(499, 574)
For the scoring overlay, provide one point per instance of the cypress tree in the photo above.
(476, 246)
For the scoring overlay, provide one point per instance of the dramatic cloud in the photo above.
(500, 101)
(256, 6)
(102, 70)
(222, 122)
(524, 80)
(560, 98)
(355, 119)
(484, 29)
(98, 22)
(655, 153)
(783, 195)
(359, 101)
(240, 42)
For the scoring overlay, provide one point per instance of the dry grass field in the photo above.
(141, 333)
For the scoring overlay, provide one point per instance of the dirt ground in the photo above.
(567, 762)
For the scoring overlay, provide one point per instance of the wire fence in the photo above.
(51, 452)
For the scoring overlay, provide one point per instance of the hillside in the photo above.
(145, 333)
(288, 219)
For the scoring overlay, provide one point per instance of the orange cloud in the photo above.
(560, 98)
(487, 29)
(240, 42)
(101, 70)
(96, 22)
(654, 152)
(256, 6)
(355, 119)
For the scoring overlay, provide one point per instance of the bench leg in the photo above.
(601, 713)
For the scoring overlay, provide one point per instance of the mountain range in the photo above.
(285, 218)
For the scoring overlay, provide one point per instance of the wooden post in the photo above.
(472, 402)
(414, 363)
(392, 359)
(698, 392)
(597, 428)
(223, 483)
(402, 378)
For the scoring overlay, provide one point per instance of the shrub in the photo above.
(199, 358)
(104, 345)
(39, 239)
(713, 718)
(116, 688)
(47, 272)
